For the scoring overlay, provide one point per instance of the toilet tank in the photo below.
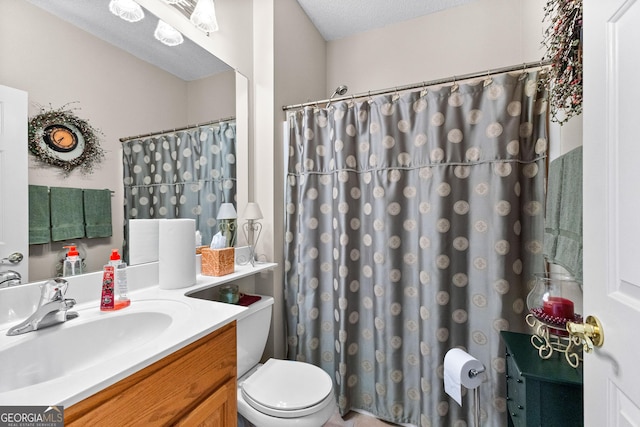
(252, 333)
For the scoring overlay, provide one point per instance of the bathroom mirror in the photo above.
(60, 64)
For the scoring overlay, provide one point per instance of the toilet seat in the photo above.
(288, 389)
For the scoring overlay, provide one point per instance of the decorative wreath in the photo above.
(60, 138)
(563, 41)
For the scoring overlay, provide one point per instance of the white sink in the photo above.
(92, 338)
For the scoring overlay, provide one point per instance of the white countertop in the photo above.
(193, 319)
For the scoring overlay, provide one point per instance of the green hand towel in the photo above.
(563, 219)
(67, 216)
(39, 222)
(97, 213)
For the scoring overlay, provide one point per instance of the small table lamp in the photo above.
(252, 228)
(227, 216)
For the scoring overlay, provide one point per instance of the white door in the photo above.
(14, 199)
(612, 209)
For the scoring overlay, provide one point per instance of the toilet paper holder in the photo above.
(475, 372)
(463, 370)
(476, 395)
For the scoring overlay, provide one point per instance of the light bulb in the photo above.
(128, 10)
(204, 16)
(167, 34)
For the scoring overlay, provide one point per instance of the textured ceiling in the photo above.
(336, 19)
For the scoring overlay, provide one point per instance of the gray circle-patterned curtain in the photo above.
(186, 174)
(414, 225)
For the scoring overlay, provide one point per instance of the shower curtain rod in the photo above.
(524, 66)
(144, 135)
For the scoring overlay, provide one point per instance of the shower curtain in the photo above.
(185, 174)
(414, 224)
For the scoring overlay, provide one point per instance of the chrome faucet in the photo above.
(10, 278)
(52, 308)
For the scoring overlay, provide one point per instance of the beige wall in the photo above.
(289, 64)
(478, 36)
(57, 64)
(211, 98)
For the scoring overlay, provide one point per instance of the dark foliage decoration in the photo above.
(563, 41)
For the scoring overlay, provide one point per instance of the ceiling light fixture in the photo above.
(167, 34)
(128, 10)
(204, 16)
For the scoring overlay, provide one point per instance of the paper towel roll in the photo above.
(176, 253)
(143, 241)
(458, 365)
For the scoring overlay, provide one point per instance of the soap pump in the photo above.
(72, 263)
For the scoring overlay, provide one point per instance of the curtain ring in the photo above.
(488, 80)
(543, 70)
(370, 99)
(396, 95)
(542, 65)
(351, 102)
(454, 86)
(424, 90)
(524, 72)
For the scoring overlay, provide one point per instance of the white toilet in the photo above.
(278, 393)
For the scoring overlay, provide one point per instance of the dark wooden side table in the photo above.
(540, 393)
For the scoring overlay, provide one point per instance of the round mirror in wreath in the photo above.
(59, 138)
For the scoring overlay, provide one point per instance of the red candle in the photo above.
(559, 307)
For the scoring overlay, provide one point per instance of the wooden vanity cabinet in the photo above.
(196, 385)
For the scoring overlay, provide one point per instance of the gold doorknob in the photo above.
(590, 332)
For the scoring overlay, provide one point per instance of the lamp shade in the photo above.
(128, 10)
(227, 211)
(167, 34)
(204, 16)
(252, 211)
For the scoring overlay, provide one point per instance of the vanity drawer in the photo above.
(516, 393)
(517, 414)
(169, 390)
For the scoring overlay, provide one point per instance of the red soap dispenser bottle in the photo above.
(114, 284)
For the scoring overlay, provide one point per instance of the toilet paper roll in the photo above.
(458, 365)
(143, 241)
(176, 253)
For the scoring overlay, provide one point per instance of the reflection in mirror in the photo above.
(60, 58)
(185, 173)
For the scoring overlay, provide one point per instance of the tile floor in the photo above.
(361, 420)
(355, 419)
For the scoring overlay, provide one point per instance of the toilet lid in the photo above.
(286, 388)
